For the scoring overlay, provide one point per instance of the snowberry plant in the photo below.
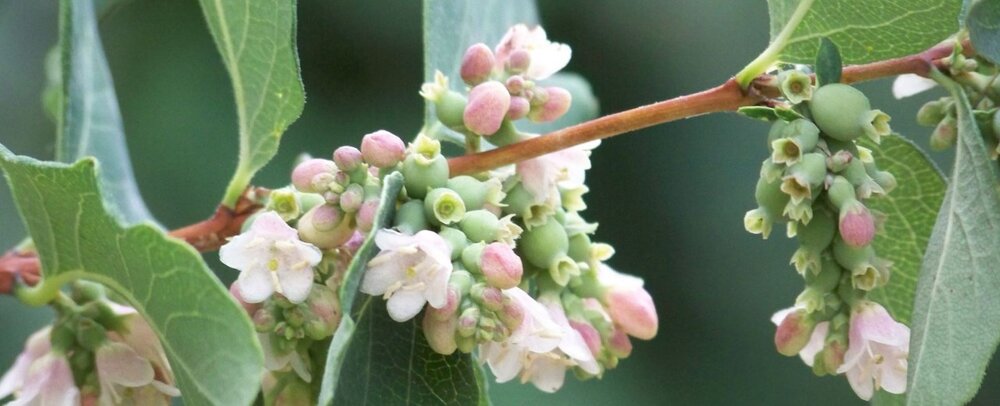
(395, 262)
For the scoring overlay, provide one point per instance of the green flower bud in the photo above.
(263, 320)
(475, 193)
(471, 256)
(579, 248)
(86, 291)
(63, 336)
(468, 322)
(444, 206)
(325, 226)
(864, 185)
(456, 240)
(932, 112)
(945, 134)
(410, 217)
(82, 362)
(798, 138)
(803, 180)
(90, 334)
(294, 316)
(544, 245)
(480, 226)
(462, 280)
(795, 86)
(424, 168)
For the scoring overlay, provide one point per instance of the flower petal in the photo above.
(296, 283)
(270, 225)
(815, 345)
(405, 304)
(909, 84)
(385, 272)
(255, 284)
(235, 253)
(548, 374)
(119, 364)
(861, 381)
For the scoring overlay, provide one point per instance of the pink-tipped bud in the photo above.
(467, 322)
(556, 104)
(325, 227)
(488, 104)
(519, 108)
(325, 217)
(354, 243)
(251, 308)
(450, 306)
(512, 314)
(501, 266)
(347, 158)
(839, 160)
(518, 61)
(313, 175)
(515, 84)
(352, 198)
(477, 64)
(366, 215)
(324, 313)
(632, 309)
(590, 335)
(382, 149)
(857, 226)
(793, 332)
(440, 334)
(619, 344)
(833, 356)
(492, 299)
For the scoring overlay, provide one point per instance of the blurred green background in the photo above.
(670, 198)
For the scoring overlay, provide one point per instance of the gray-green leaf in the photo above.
(828, 63)
(207, 337)
(983, 22)
(451, 26)
(957, 308)
(865, 30)
(89, 122)
(257, 41)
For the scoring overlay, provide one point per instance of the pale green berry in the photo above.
(544, 244)
(797, 138)
(827, 278)
(841, 190)
(455, 239)
(421, 174)
(770, 171)
(841, 111)
(476, 193)
(480, 226)
(932, 112)
(863, 183)
(945, 134)
(471, 256)
(410, 217)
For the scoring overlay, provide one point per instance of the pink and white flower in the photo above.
(566, 169)
(37, 346)
(533, 332)
(548, 371)
(629, 304)
(876, 352)
(411, 270)
(271, 258)
(132, 365)
(48, 381)
(816, 340)
(545, 57)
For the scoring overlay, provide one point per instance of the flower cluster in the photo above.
(97, 351)
(816, 182)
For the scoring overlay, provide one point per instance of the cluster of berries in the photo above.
(816, 181)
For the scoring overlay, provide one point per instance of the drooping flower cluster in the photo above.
(816, 182)
(97, 351)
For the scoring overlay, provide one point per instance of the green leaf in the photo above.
(451, 26)
(83, 99)
(762, 113)
(983, 23)
(865, 30)
(207, 337)
(585, 106)
(828, 63)
(957, 308)
(257, 41)
(910, 212)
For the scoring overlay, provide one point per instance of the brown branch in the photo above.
(207, 235)
(726, 97)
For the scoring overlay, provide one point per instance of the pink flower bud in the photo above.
(590, 335)
(515, 84)
(519, 107)
(450, 306)
(234, 290)
(857, 226)
(382, 149)
(793, 332)
(477, 64)
(347, 158)
(619, 344)
(352, 198)
(512, 315)
(631, 307)
(325, 217)
(488, 104)
(501, 266)
(308, 176)
(519, 61)
(492, 299)
(354, 243)
(440, 334)
(833, 356)
(556, 104)
(366, 215)
(325, 227)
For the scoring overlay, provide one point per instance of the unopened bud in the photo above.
(347, 158)
(468, 322)
(366, 214)
(263, 320)
(557, 104)
(382, 149)
(294, 392)
(839, 160)
(312, 176)
(477, 64)
(632, 309)
(518, 61)
(619, 344)
(793, 332)
(857, 226)
(450, 305)
(515, 84)
(590, 335)
(519, 108)
(487, 107)
(501, 266)
(932, 112)
(325, 226)
(440, 333)
(351, 199)
(324, 312)
(945, 133)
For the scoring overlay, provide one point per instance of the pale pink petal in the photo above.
(404, 304)
(166, 389)
(816, 342)
(391, 240)
(301, 367)
(548, 374)
(234, 253)
(435, 246)
(503, 362)
(119, 364)
(296, 283)
(549, 59)
(378, 278)
(909, 84)
(437, 289)
(270, 225)
(893, 379)
(861, 382)
(780, 315)
(255, 284)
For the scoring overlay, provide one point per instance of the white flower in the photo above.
(409, 271)
(816, 340)
(48, 382)
(536, 333)
(548, 371)
(877, 351)
(132, 366)
(545, 175)
(271, 258)
(274, 361)
(546, 58)
(38, 345)
(909, 84)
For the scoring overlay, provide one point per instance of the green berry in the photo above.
(480, 226)
(840, 110)
(544, 244)
(410, 217)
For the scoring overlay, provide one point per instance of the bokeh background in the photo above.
(670, 198)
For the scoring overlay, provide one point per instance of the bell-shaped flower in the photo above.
(278, 361)
(876, 352)
(48, 381)
(548, 371)
(544, 57)
(409, 271)
(545, 175)
(38, 345)
(132, 366)
(271, 258)
(815, 343)
(533, 332)
(629, 304)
